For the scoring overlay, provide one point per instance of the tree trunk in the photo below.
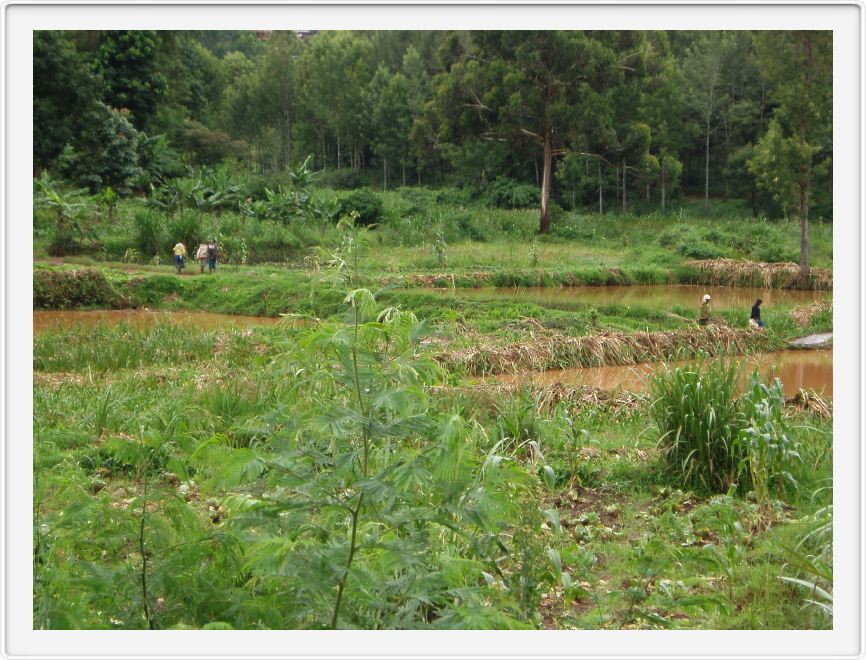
(288, 137)
(804, 234)
(404, 175)
(338, 151)
(663, 186)
(544, 224)
(324, 150)
(600, 196)
(384, 174)
(707, 169)
(276, 144)
(624, 194)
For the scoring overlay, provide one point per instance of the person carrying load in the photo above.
(201, 255)
(179, 253)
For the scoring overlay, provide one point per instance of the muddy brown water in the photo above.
(796, 369)
(654, 296)
(44, 320)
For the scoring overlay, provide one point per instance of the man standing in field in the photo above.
(704, 316)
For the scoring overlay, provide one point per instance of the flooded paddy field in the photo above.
(797, 369)
(649, 296)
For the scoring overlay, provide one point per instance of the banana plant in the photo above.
(69, 210)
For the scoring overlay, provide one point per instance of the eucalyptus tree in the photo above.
(391, 115)
(338, 67)
(704, 63)
(664, 109)
(533, 89)
(277, 89)
(797, 147)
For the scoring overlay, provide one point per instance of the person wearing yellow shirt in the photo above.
(179, 253)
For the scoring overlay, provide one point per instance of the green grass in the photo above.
(504, 512)
(631, 540)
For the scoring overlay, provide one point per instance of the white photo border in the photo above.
(19, 19)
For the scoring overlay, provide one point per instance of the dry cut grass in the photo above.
(601, 349)
(740, 272)
(803, 315)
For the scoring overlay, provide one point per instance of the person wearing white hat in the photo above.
(704, 318)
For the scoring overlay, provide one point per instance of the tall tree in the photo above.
(127, 62)
(798, 145)
(533, 89)
(64, 91)
(338, 67)
(703, 68)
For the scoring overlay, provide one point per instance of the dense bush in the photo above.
(66, 289)
(505, 193)
(367, 204)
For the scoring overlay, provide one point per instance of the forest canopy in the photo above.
(594, 120)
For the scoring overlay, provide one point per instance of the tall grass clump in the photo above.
(718, 431)
(149, 230)
(695, 409)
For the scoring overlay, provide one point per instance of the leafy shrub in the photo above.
(767, 452)
(149, 231)
(676, 235)
(366, 203)
(455, 196)
(66, 289)
(699, 249)
(505, 193)
(774, 253)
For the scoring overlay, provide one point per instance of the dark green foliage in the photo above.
(104, 153)
(64, 91)
(126, 60)
(67, 289)
(505, 193)
(367, 204)
(207, 146)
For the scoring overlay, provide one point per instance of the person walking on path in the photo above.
(201, 255)
(211, 256)
(755, 321)
(704, 316)
(179, 253)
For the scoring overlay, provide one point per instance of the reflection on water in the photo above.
(50, 319)
(654, 296)
(796, 369)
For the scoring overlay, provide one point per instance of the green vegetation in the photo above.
(396, 197)
(215, 471)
